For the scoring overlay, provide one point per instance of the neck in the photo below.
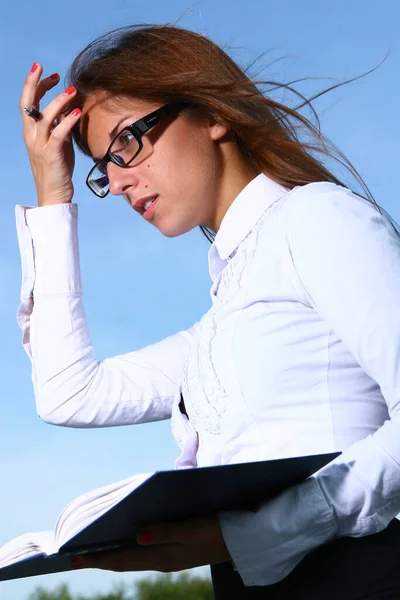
(236, 174)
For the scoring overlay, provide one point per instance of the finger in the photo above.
(35, 88)
(120, 560)
(161, 533)
(46, 84)
(33, 91)
(28, 94)
(180, 532)
(61, 133)
(52, 111)
(28, 98)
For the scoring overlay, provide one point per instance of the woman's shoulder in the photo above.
(322, 194)
(327, 205)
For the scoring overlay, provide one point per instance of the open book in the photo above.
(75, 517)
(111, 516)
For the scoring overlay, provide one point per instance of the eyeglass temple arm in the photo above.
(153, 118)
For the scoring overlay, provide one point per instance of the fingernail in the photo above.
(34, 67)
(145, 537)
(76, 563)
(54, 76)
(70, 90)
(76, 112)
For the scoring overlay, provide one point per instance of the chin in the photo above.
(171, 229)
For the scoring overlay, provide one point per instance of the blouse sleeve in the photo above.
(346, 257)
(72, 388)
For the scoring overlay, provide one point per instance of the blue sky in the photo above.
(139, 286)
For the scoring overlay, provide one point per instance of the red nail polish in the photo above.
(145, 537)
(54, 76)
(76, 563)
(70, 90)
(76, 112)
(34, 67)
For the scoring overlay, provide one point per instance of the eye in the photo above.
(125, 138)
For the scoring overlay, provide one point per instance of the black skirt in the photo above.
(346, 569)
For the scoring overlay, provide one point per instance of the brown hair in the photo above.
(165, 63)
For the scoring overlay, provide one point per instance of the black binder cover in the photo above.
(175, 495)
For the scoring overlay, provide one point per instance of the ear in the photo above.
(218, 130)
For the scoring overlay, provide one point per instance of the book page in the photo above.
(26, 545)
(86, 509)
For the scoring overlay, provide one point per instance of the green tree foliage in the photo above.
(167, 587)
(63, 593)
(160, 587)
(60, 593)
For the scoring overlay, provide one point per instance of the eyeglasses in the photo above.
(126, 146)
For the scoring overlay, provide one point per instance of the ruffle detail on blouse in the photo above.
(205, 396)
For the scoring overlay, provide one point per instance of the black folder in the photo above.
(176, 495)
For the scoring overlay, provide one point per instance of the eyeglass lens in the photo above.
(124, 148)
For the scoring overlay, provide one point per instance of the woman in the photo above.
(298, 353)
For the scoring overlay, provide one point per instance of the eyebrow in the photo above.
(114, 131)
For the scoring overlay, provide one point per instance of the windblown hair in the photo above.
(162, 63)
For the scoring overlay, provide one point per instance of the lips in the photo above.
(143, 204)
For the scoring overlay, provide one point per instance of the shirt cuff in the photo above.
(267, 545)
(54, 249)
(26, 252)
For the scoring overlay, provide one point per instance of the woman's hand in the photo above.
(165, 547)
(50, 151)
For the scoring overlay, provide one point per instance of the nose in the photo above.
(121, 179)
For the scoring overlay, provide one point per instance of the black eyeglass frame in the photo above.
(137, 129)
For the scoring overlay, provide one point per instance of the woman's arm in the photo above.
(346, 257)
(72, 387)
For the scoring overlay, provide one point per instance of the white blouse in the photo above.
(299, 354)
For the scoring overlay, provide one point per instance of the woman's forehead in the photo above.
(108, 106)
(101, 114)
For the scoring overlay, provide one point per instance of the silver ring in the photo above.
(32, 112)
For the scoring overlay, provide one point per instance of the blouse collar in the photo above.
(244, 212)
